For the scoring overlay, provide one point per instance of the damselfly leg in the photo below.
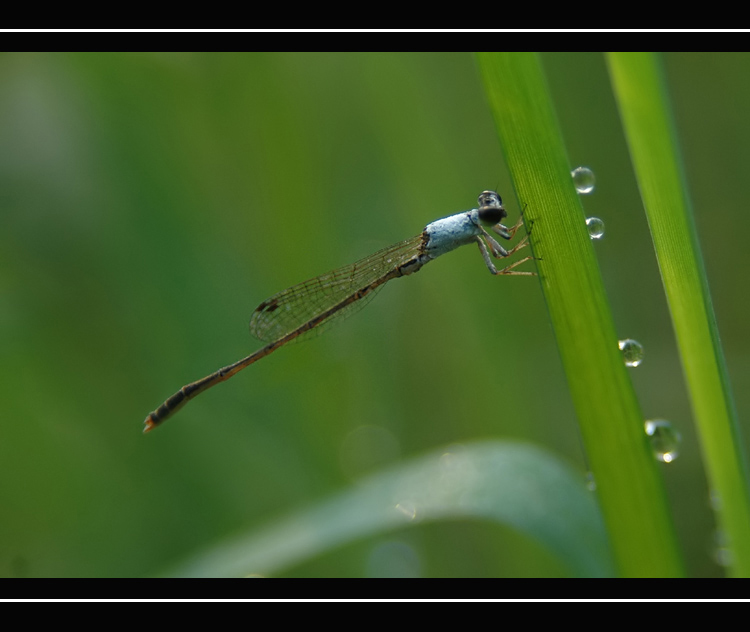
(501, 253)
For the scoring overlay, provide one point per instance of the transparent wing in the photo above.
(286, 311)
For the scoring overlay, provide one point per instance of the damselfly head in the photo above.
(489, 198)
(491, 209)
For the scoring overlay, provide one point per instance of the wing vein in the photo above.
(284, 312)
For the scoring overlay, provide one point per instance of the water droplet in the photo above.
(590, 482)
(723, 557)
(665, 440)
(453, 460)
(714, 500)
(632, 351)
(407, 509)
(722, 554)
(596, 227)
(583, 179)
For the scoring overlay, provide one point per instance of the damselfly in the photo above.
(309, 306)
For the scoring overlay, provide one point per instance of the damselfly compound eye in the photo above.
(489, 198)
(492, 215)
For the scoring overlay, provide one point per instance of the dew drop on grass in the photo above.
(583, 179)
(722, 554)
(632, 351)
(407, 509)
(665, 440)
(595, 227)
(590, 482)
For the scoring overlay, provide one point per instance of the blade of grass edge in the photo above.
(641, 95)
(509, 482)
(629, 486)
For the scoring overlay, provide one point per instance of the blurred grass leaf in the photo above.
(513, 483)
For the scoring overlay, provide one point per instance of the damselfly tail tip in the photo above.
(149, 424)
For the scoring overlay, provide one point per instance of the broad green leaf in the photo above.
(513, 483)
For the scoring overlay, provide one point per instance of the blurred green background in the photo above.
(149, 202)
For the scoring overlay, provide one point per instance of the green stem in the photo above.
(644, 108)
(629, 485)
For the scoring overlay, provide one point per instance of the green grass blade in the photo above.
(644, 108)
(629, 485)
(513, 483)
